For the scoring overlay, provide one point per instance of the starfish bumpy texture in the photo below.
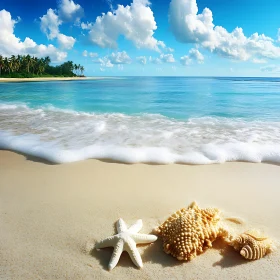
(126, 240)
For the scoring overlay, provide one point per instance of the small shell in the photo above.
(251, 245)
(253, 253)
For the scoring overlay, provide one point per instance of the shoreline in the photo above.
(46, 79)
(52, 215)
(35, 158)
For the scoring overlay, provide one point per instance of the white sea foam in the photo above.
(65, 136)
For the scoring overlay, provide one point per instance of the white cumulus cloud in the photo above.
(65, 42)
(90, 54)
(186, 24)
(117, 58)
(163, 58)
(189, 26)
(69, 11)
(12, 45)
(185, 60)
(193, 56)
(105, 62)
(167, 58)
(86, 26)
(142, 59)
(49, 24)
(135, 22)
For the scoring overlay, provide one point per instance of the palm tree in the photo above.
(76, 68)
(34, 64)
(47, 60)
(28, 61)
(19, 63)
(82, 70)
(1, 64)
(79, 68)
(41, 66)
(6, 65)
(12, 63)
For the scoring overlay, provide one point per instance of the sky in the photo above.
(147, 38)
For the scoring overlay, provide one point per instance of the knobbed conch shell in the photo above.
(252, 245)
(190, 231)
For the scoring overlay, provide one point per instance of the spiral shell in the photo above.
(253, 253)
(251, 246)
(190, 231)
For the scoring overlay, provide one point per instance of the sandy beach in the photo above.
(42, 79)
(52, 215)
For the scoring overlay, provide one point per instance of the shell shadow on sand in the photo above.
(153, 253)
(230, 257)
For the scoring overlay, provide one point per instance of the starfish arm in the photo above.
(121, 225)
(107, 242)
(133, 253)
(143, 238)
(116, 255)
(136, 227)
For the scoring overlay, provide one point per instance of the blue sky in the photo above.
(137, 37)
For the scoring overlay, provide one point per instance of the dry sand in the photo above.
(51, 216)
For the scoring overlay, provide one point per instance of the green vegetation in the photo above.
(26, 66)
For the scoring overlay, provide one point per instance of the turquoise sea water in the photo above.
(144, 119)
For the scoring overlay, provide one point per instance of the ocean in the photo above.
(188, 120)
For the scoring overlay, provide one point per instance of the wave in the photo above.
(60, 136)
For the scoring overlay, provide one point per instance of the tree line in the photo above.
(26, 66)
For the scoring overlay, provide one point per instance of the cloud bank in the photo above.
(12, 45)
(49, 25)
(188, 26)
(135, 22)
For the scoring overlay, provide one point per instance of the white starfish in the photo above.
(126, 240)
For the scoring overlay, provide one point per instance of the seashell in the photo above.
(190, 231)
(251, 245)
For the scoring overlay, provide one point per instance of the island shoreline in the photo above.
(47, 79)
